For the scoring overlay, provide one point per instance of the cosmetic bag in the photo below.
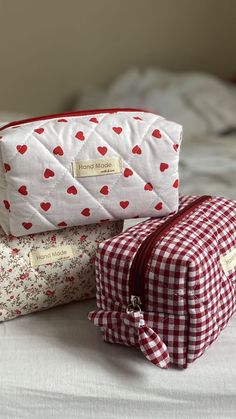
(43, 270)
(167, 286)
(83, 167)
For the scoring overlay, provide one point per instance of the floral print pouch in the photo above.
(39, 271)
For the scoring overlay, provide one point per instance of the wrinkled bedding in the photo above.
(208, 166)
(202, 103)
(54, 364)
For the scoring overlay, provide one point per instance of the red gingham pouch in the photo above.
(167, 285)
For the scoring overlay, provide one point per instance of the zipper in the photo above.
(70, 114)
(142, 256)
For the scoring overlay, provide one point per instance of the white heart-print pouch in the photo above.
(83, 167)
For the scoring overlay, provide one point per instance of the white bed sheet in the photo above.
(208, 166)
(54, 364)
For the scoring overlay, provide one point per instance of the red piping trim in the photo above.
(68, 114)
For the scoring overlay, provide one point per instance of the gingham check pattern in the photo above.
(189, 298)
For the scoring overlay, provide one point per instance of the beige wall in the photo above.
(50, 48)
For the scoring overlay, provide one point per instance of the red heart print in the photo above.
(104, 190)
(45, 206)
(176, 147)
(156, 133)
(138, 118)
(27, 226)
(117, 130)
(176, 184)
(159, 206)
(72, 190)
(58, 151)
(86, 212)
(62, 120)
(102, 150)
(7, 167)
(94, 120)
(80, 136)
(39, 130)
(23, 190)
(0, 137)
(124, 204)
(128, 172)
(6, 204)
(136, 150)
(62, 224)
(148, 187)
(21, 148)
(163, 167)
(48, 173)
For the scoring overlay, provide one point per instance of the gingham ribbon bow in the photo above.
(150, 342)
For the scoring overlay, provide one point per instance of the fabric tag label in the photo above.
(98, 167)
(51, 255)
(228, 261)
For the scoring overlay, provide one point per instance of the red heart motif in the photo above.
(128, 172)
(48, 173)
(0, 137)
(72, 190)
(148, 187)
(124, 204)
(176, 184)
(21, 148)
(80, 136)
(176, 147)
(117, 130)
(58, 151)
(163, 167)
(23, 190)
(86, 212)
(6, 204)
(104, 190)
(27, 226)
(156, 133)
(62, 120)
(138, 117)
(39, 130)
(7, 167)
(62, 224)
(94, 120)
(159, 206)
(136, 150)
(102, 150)
(45, 206)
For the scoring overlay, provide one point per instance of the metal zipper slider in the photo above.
(135, 303)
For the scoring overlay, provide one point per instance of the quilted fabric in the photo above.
(39, 190)
(190, 286)
(25, 288)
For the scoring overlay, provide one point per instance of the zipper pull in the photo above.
(150, 343)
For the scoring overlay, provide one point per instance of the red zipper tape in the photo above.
(142, 256)
(71, 114)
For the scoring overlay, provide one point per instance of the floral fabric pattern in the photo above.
(25, 289)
